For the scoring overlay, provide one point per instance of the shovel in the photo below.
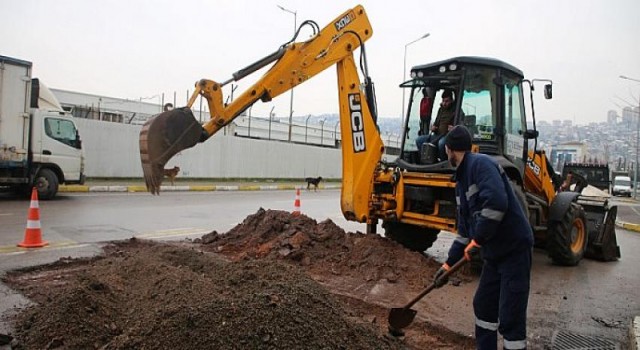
(401, 317)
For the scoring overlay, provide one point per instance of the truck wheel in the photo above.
(46, 182)
(412, 237)
(567, 239)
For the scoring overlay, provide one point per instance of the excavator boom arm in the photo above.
(294, 63)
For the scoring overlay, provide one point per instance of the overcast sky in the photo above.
(140, 49)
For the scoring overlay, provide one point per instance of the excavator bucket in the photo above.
(162, 137)
(601, 220)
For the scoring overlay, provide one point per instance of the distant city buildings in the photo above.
(612, 142)
(569, 152)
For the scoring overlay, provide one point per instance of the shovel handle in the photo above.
(431, 287)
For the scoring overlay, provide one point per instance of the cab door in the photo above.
(515, 147)
(61, 145)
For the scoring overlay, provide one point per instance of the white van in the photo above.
(622, 186)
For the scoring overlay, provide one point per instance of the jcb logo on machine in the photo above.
(534, 167)
(357, 124)
(345, 20)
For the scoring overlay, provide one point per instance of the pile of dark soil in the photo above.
(141, 295)
(275, 281)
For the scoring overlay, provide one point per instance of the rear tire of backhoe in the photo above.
(412, 237)
(567, 239)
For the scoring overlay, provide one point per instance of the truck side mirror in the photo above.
(78, 141)
(548, 91)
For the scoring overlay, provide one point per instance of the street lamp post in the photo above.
(635, 176)
(270, 119)
(295, 28)
(306, 128)
(404, 73)
(249, 131)
(322, 130)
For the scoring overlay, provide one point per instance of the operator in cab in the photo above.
(491, 220)
(442, 124)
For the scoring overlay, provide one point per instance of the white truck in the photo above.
(39, 142)
(622, 186)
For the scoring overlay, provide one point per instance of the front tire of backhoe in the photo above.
(412, 237)
(567, 239)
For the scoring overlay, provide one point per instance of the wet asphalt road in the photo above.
(592, 299)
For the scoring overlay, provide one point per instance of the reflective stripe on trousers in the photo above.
(487, 337)
(515, 344)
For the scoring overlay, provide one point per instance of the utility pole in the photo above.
(295, 29)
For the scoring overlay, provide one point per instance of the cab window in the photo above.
(478, 103)
(514, 123)
(414, 121)
(514, 111)
(478, 115)
(62, 130)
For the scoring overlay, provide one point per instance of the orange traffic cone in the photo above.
(33, 234)
(296, 204)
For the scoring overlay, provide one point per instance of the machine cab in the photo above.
(487, 99)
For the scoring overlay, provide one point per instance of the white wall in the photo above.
(112, 150)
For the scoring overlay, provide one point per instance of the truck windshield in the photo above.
(621, 182)
(62, 130)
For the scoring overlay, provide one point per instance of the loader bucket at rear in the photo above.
(601, 221)
(162, 137)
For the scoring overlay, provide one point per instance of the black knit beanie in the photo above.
(459, 139)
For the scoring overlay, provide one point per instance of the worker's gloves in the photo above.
(438, 278)
(471, 250)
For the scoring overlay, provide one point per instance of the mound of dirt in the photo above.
(321, 248)
(275, 281)
(141, 295)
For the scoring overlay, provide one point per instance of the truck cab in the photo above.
(622, 186)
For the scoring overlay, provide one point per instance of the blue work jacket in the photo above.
(488, 211)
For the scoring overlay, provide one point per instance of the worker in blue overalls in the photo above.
(491, 220)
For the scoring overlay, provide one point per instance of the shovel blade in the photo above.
(162, 137)
(400, 318)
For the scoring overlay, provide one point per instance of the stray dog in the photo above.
(171, 173)
(315, 181)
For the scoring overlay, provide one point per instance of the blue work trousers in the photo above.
(500, 303)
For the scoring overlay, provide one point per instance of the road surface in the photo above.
(592, 299)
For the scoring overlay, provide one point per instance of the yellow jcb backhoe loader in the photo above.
(414, 195)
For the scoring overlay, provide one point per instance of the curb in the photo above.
(628, 226)
(198, 188)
